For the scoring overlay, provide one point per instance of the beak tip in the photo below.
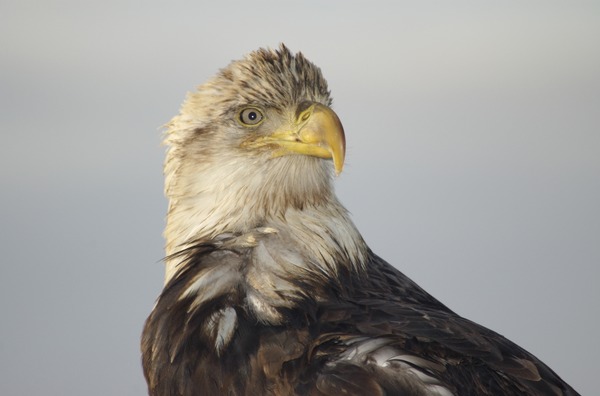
(338, 168)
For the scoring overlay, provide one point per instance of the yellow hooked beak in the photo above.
(316, 131)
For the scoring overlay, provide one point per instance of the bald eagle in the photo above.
(270, 289)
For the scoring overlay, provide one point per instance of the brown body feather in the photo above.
(270, 289)
(373, 334)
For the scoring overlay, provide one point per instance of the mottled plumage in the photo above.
(270, 289)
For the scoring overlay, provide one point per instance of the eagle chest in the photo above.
(231, 316)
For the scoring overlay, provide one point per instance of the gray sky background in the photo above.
(473, 164)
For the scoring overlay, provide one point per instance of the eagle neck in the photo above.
(292, 193)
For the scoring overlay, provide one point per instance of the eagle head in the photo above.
(254, 142)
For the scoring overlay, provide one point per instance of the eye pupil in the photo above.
(252, 115)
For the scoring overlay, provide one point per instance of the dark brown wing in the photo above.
(391, 323)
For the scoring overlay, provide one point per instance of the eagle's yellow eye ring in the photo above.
(251, 116)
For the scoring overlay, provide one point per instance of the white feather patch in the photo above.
(210, 284)
(222, 324)
(379, 351)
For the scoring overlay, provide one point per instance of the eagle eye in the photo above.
(251, 116)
